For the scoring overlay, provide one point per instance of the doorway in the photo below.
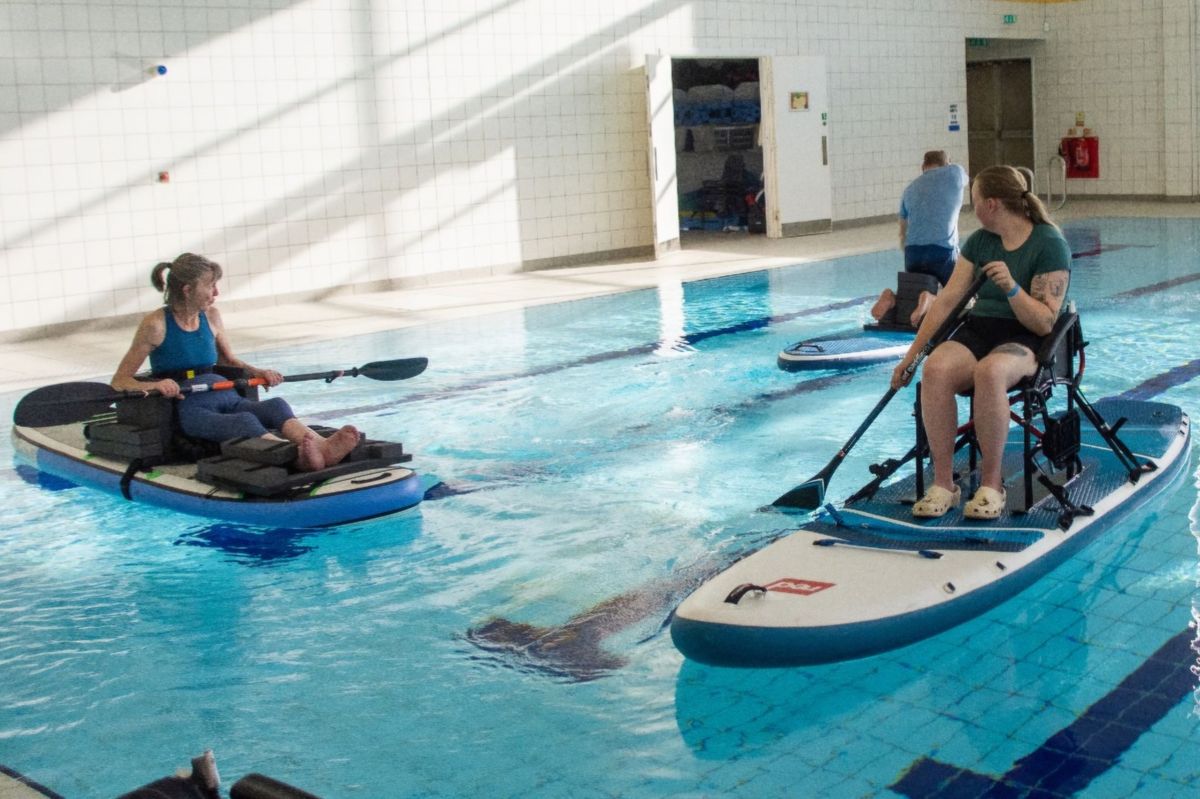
(718, 152)
(1000, 113)
(713, 167)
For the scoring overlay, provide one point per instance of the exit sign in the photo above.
(1010, 19)
(977, 42)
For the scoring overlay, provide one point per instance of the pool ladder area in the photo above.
(1056, 164)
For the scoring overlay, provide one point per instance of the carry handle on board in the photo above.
(67, 403)
(810, 494)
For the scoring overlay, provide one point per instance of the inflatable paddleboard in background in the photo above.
(885, 341)
(847, 349)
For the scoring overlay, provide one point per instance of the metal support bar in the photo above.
(1062, 171)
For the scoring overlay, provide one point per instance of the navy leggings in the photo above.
(930, 259)
(222, 415)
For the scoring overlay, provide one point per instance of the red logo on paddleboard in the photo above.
(792, 585)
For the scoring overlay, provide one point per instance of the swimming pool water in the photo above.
(588, 463)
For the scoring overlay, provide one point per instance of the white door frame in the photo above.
(660, 129)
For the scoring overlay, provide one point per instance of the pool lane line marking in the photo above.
(1161, 382)
(1156, 287)
(573, 649)
(1110, 248)
(595, 358)
(688, 339)
(443, 489)
(27, 782)
(1072, 758)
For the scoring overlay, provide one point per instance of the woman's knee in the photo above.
(999, 373)
(945, 372)
(274, 412)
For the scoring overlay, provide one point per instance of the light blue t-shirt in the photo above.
(931, 204)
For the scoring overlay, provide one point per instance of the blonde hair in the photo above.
(1007, 184)
(186, 270)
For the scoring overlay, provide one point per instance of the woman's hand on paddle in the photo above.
(272, 377)
(900, 375)
(997, 272)
(168, 388)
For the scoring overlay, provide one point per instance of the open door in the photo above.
(795, 106)
(660, 110)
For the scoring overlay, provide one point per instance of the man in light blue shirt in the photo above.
(929, 210)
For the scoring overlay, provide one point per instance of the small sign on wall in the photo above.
(799, 101)
(953, 123)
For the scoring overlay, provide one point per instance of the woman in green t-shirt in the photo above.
(1027, 262)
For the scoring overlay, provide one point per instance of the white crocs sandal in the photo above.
(936, 502)
(988, 503)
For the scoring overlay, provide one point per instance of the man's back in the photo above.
(930, 206)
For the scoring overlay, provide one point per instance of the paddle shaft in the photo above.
(378, 370)
(802, 496)
(66, 403)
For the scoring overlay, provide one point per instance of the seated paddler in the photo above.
(185, 340)
(1027, 263)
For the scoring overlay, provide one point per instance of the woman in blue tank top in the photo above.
(184, 340)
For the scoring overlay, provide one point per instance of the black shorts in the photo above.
(982, 334)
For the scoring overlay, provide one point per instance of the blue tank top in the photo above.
(182, 351)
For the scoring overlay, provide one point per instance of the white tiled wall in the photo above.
(314, 144)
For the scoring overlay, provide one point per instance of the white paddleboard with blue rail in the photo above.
(349, 492)
(847, 349)
(867, 577)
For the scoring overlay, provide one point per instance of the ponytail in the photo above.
(185, 270)
(1035, 209)
(1007, 184)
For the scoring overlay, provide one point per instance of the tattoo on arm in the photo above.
(1050, 288)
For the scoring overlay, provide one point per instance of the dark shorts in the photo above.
(982, 334)
(930, 259)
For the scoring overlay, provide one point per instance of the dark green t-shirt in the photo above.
(1044, 251)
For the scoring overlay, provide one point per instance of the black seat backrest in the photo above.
(734, 173)
(909, 286)
(1060, 350)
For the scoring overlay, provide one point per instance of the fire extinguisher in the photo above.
(1081, 157)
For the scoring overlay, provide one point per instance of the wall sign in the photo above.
(799, 101)
(953, 123)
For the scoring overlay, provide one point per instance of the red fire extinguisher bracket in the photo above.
(1082, 154)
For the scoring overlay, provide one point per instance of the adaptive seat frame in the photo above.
(1054, 447)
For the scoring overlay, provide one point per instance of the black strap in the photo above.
(136, 465)
(179, 375)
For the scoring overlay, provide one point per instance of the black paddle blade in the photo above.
(63, 403)
(400, 369)
(806, 496)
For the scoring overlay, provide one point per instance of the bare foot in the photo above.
(339, 445)
(924, 302)
(885, 303)
(310, 456)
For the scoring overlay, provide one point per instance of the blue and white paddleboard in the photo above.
(349, 496)
(847, 349)
(868, 577)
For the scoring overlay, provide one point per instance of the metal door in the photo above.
(1000, 113)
